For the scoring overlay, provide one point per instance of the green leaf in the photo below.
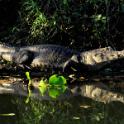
(42, 87)
(54, 93)
(8, 114)
(65, 2)
(28, 75)
(57, 80)
(63, 88)
(64, 81)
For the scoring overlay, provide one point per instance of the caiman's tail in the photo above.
(6, 51)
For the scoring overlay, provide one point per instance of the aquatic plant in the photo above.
(55, 85)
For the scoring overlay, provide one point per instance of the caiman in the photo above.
(56, 56)
(43, 56)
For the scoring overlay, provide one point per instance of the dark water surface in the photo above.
(75, 110)
(70, 110)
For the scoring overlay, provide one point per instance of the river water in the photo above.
(79, 109)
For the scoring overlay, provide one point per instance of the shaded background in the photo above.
(79, 24)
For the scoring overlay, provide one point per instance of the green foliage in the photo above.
(81, 24)
(43, 87)
(50, 20)
(29, 85)
(75, 110)
(34, 17)
(56, 85)
(8, 114)
(38, 24)
(57, 80)
(100, 22)
(28, 75)
(54, 93)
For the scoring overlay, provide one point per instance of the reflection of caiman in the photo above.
(59, 56)
(97, 90)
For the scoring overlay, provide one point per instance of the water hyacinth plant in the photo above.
(55, 85)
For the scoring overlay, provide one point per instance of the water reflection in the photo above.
(69, 111)
(95, 101)
(102, 89)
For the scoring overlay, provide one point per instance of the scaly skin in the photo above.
(59, 56)
(37, 55)
(96, 60)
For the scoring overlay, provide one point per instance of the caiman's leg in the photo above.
(23, 57)
(74, 65)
